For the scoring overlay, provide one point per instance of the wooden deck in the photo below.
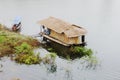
(55, 40)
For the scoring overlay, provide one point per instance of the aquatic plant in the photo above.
(49, 58)
(81, 51)
(49, 61)
(51, 67)
(28, 59)
(90, 62)
(52, 55)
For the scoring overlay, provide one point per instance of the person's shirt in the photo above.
(47, 31)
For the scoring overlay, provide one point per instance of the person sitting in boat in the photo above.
(17, 24)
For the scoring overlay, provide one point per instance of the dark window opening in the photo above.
(83, 38)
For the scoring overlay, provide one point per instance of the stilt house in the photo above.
(63, 32)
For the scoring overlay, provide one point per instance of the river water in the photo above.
(100, 18)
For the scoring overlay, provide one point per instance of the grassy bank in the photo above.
(20, 46)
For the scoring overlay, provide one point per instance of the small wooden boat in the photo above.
(16, 24)
(16, 27)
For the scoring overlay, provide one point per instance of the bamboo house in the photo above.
(63, 32)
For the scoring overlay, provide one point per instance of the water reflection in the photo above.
(68, 75)
(90, 63)
(51, 67)
(1, 68)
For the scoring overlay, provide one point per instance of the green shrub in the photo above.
(2, 39)
(28, 59)
(24, 48)
(83, 51)
(26, 55)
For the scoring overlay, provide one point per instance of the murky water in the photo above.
(101, 19)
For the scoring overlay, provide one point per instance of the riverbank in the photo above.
(20, 46)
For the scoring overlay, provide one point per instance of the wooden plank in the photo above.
(55, 40)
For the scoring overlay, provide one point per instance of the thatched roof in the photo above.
(59, 26)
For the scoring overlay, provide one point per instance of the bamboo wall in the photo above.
(64, 38)
(74, 40)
